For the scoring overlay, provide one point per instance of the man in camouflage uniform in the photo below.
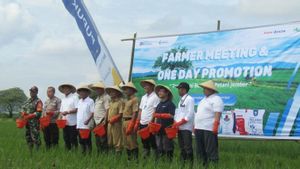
(32, 110)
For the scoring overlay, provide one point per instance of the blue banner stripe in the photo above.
(77, 9)
(271, 124)
(284, 116)
(297, 126)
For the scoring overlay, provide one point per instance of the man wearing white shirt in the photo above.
(184, 121)
(147, 107)
(85, 112)
(207, 120)
(68, 112)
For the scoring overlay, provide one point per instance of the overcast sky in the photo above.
(41, 45)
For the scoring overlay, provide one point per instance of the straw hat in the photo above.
(84, 87)
(97, 85)
(129, 85)
(73, 89)
(158, 87)
(149, 81)
(209, 85)
(108, 90)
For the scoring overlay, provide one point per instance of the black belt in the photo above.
(127, 118)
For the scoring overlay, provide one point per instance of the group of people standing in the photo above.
(123, 115)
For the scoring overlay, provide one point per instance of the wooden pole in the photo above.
(132, 56)
(218, 25)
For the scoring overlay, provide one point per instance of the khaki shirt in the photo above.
(131, 106)
(101, 106)
(115, 107)
(52, 105)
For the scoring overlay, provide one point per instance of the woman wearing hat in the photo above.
(163, 115)
(100, 114)
(206, 124)
(130, 111)
(68, 112)
(114, 129)
(85, 111)
(146, 109)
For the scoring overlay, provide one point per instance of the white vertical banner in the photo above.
(106, 67)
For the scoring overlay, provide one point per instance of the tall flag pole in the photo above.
(106, 67)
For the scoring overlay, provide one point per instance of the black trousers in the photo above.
(101, 143)
(185, 144)
(148, 143)
(51, 135)
(86, 144)
(70, 137)
(165, 146)
(206, 146)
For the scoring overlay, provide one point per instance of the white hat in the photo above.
(84, 87)
(209, 85)
(149, 81)
(108, 90)
(129, 85)
(97, 85)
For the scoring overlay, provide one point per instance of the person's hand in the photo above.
(216, 127)
(156, 115)
(29, 116)
(86, 122)
(23, 114)
(136, 125)
(130, 127)
(177, 124)
(50, 113)
(165, 116)
(114, 119)
(64, 113)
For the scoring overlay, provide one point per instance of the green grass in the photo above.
(233, 154)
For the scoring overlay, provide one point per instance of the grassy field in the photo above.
(233, 154)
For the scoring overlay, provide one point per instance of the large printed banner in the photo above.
(256, 71)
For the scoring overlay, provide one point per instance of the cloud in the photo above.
(61, 46)
(166, 23)
(269, 8)
(16, 23)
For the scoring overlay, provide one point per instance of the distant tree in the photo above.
(172, 65)
(12, 99)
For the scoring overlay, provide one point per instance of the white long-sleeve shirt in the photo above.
(185, 110)
(69, 103)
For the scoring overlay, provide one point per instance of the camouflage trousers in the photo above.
(32, 133)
